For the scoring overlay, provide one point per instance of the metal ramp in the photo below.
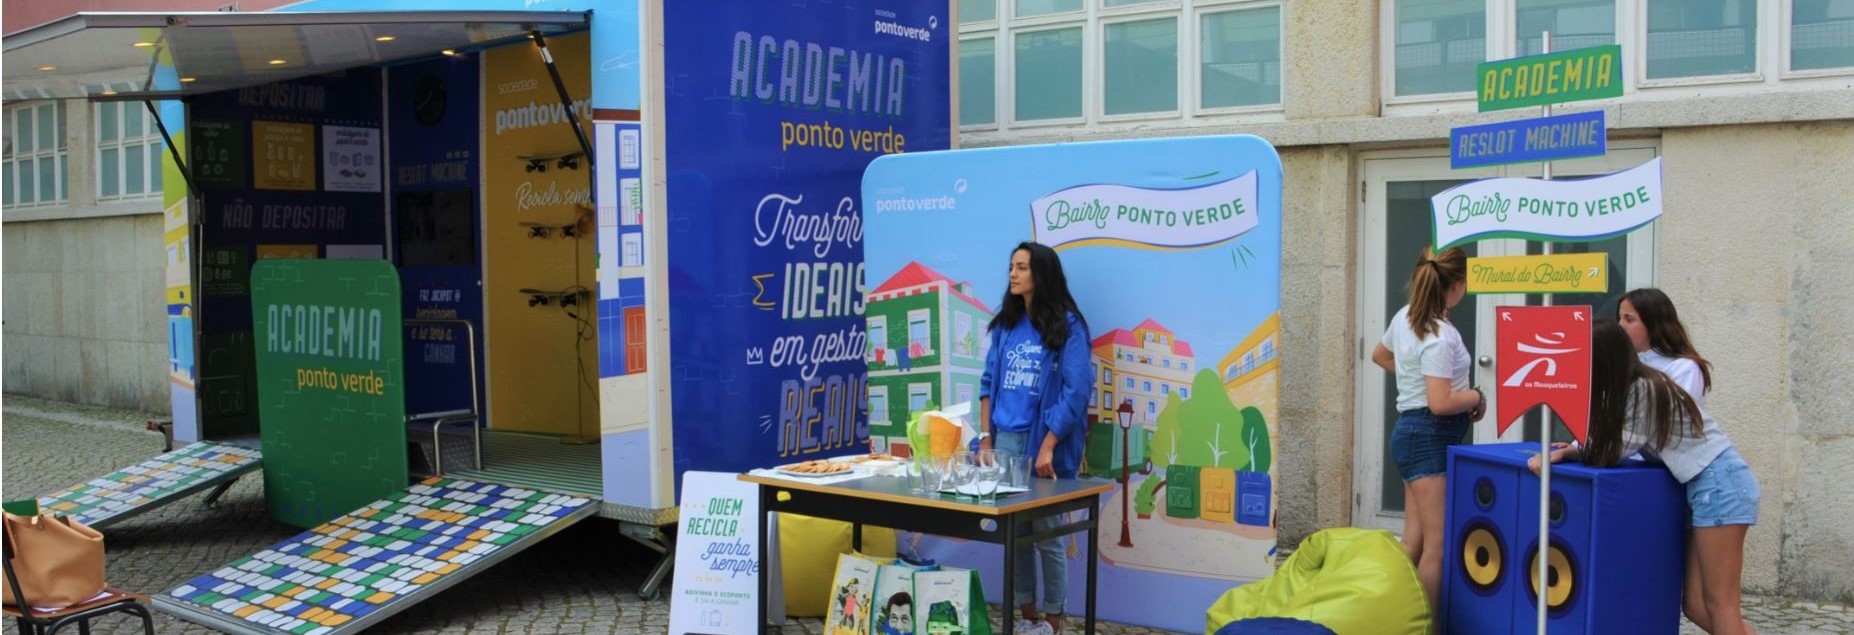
(359, 569)
(125, 493)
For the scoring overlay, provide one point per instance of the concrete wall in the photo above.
(1757, 250)
(1318, 274)
(83, 311)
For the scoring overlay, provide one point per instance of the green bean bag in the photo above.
(1353, 581)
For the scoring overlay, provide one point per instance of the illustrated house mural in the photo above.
(1144, 366)
(927, 346)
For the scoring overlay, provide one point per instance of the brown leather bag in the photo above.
(59, 561)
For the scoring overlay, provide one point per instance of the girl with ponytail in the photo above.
(1435, 405)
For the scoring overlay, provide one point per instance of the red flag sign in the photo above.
(1544, 358)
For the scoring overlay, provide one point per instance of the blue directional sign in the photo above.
(1528, 140)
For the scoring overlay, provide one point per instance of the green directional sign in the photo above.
(1552, 78)
(331, 393)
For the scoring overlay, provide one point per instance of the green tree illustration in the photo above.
(1206, 430)
(1255, 437)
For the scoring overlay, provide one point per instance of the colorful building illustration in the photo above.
(1249, 372)
(927, 346)
(1142, 367)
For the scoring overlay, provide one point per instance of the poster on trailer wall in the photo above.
(1172, 249)
(773, 111)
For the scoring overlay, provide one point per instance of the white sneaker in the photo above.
(1038, 627)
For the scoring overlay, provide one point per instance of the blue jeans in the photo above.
(1055, 562)
(1419, 443)
(1725, 493)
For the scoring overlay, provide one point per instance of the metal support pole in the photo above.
(1544, 555)
(566, 99)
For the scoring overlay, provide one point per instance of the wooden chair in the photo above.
(33, 622)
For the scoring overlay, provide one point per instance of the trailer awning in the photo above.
(137, 56)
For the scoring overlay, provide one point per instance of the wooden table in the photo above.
(885, 501)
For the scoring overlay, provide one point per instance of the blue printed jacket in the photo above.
(1067, 380)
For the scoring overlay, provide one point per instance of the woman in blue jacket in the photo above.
(1032, 403)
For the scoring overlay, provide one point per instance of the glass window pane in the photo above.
(62, 141)
(1142, 66)
(6, 182)
(48, 130)
(977, 10)
(24, 136)
(1438, 44)
(1027, 8)
(1049, 74)
(64, 177)
(1822, 34)
(28, 181)
(1574, 24)
(1241, 54)
(7, 138)
(132, 119)
(1691, 38)
(108, 120)
(48, 179)
(134, 174)
(155, 166)
(109, 174)
(978, 82)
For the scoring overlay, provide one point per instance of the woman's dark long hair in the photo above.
(1051, 303)
(1621, 384)
(1666, 335)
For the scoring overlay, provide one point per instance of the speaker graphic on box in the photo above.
(1616, 552)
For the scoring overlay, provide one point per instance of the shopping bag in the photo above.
(894, 597)
(59, 561)
(950, 602)
(851, 592)
(808, 549)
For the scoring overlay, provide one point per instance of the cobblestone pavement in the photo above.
(582, 581)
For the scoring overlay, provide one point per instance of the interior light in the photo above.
(385, 38)
(449, 51)
(189, 80)
(141, 45)
(108, 91)
(277, 62)
(47, 69)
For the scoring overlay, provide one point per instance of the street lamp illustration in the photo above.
(1125, 415)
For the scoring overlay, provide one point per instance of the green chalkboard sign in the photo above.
(219, 150)
(331, 394)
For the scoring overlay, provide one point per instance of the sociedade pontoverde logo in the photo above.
(1141, 217)
(1589, 209)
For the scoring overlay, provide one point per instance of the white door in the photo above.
(1397, 225)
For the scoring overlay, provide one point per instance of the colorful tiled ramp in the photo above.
(112, 498)
(358, 569)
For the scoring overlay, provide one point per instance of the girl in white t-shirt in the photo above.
(1435, 405)
(1654, 327)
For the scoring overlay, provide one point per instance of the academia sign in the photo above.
(1557, 211)
(1546, 273)
(1137, 216)
(1552, 78)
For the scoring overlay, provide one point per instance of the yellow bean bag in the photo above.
(1353, 581)
(808, 549)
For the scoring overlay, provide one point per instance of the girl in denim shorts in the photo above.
(1434, 403)
(1634, 407)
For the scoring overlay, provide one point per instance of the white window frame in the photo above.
(1195, 104)
(926, 319)
(151, 136)
(962, 322)
(60, 149)
(1005, 26)
(1107, 376)
(879, 395)
(924, 391)
(1496, 45)
(998, 77)
(1785, 33)
(1636, 54)
(876, 328)
(1141, 13)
